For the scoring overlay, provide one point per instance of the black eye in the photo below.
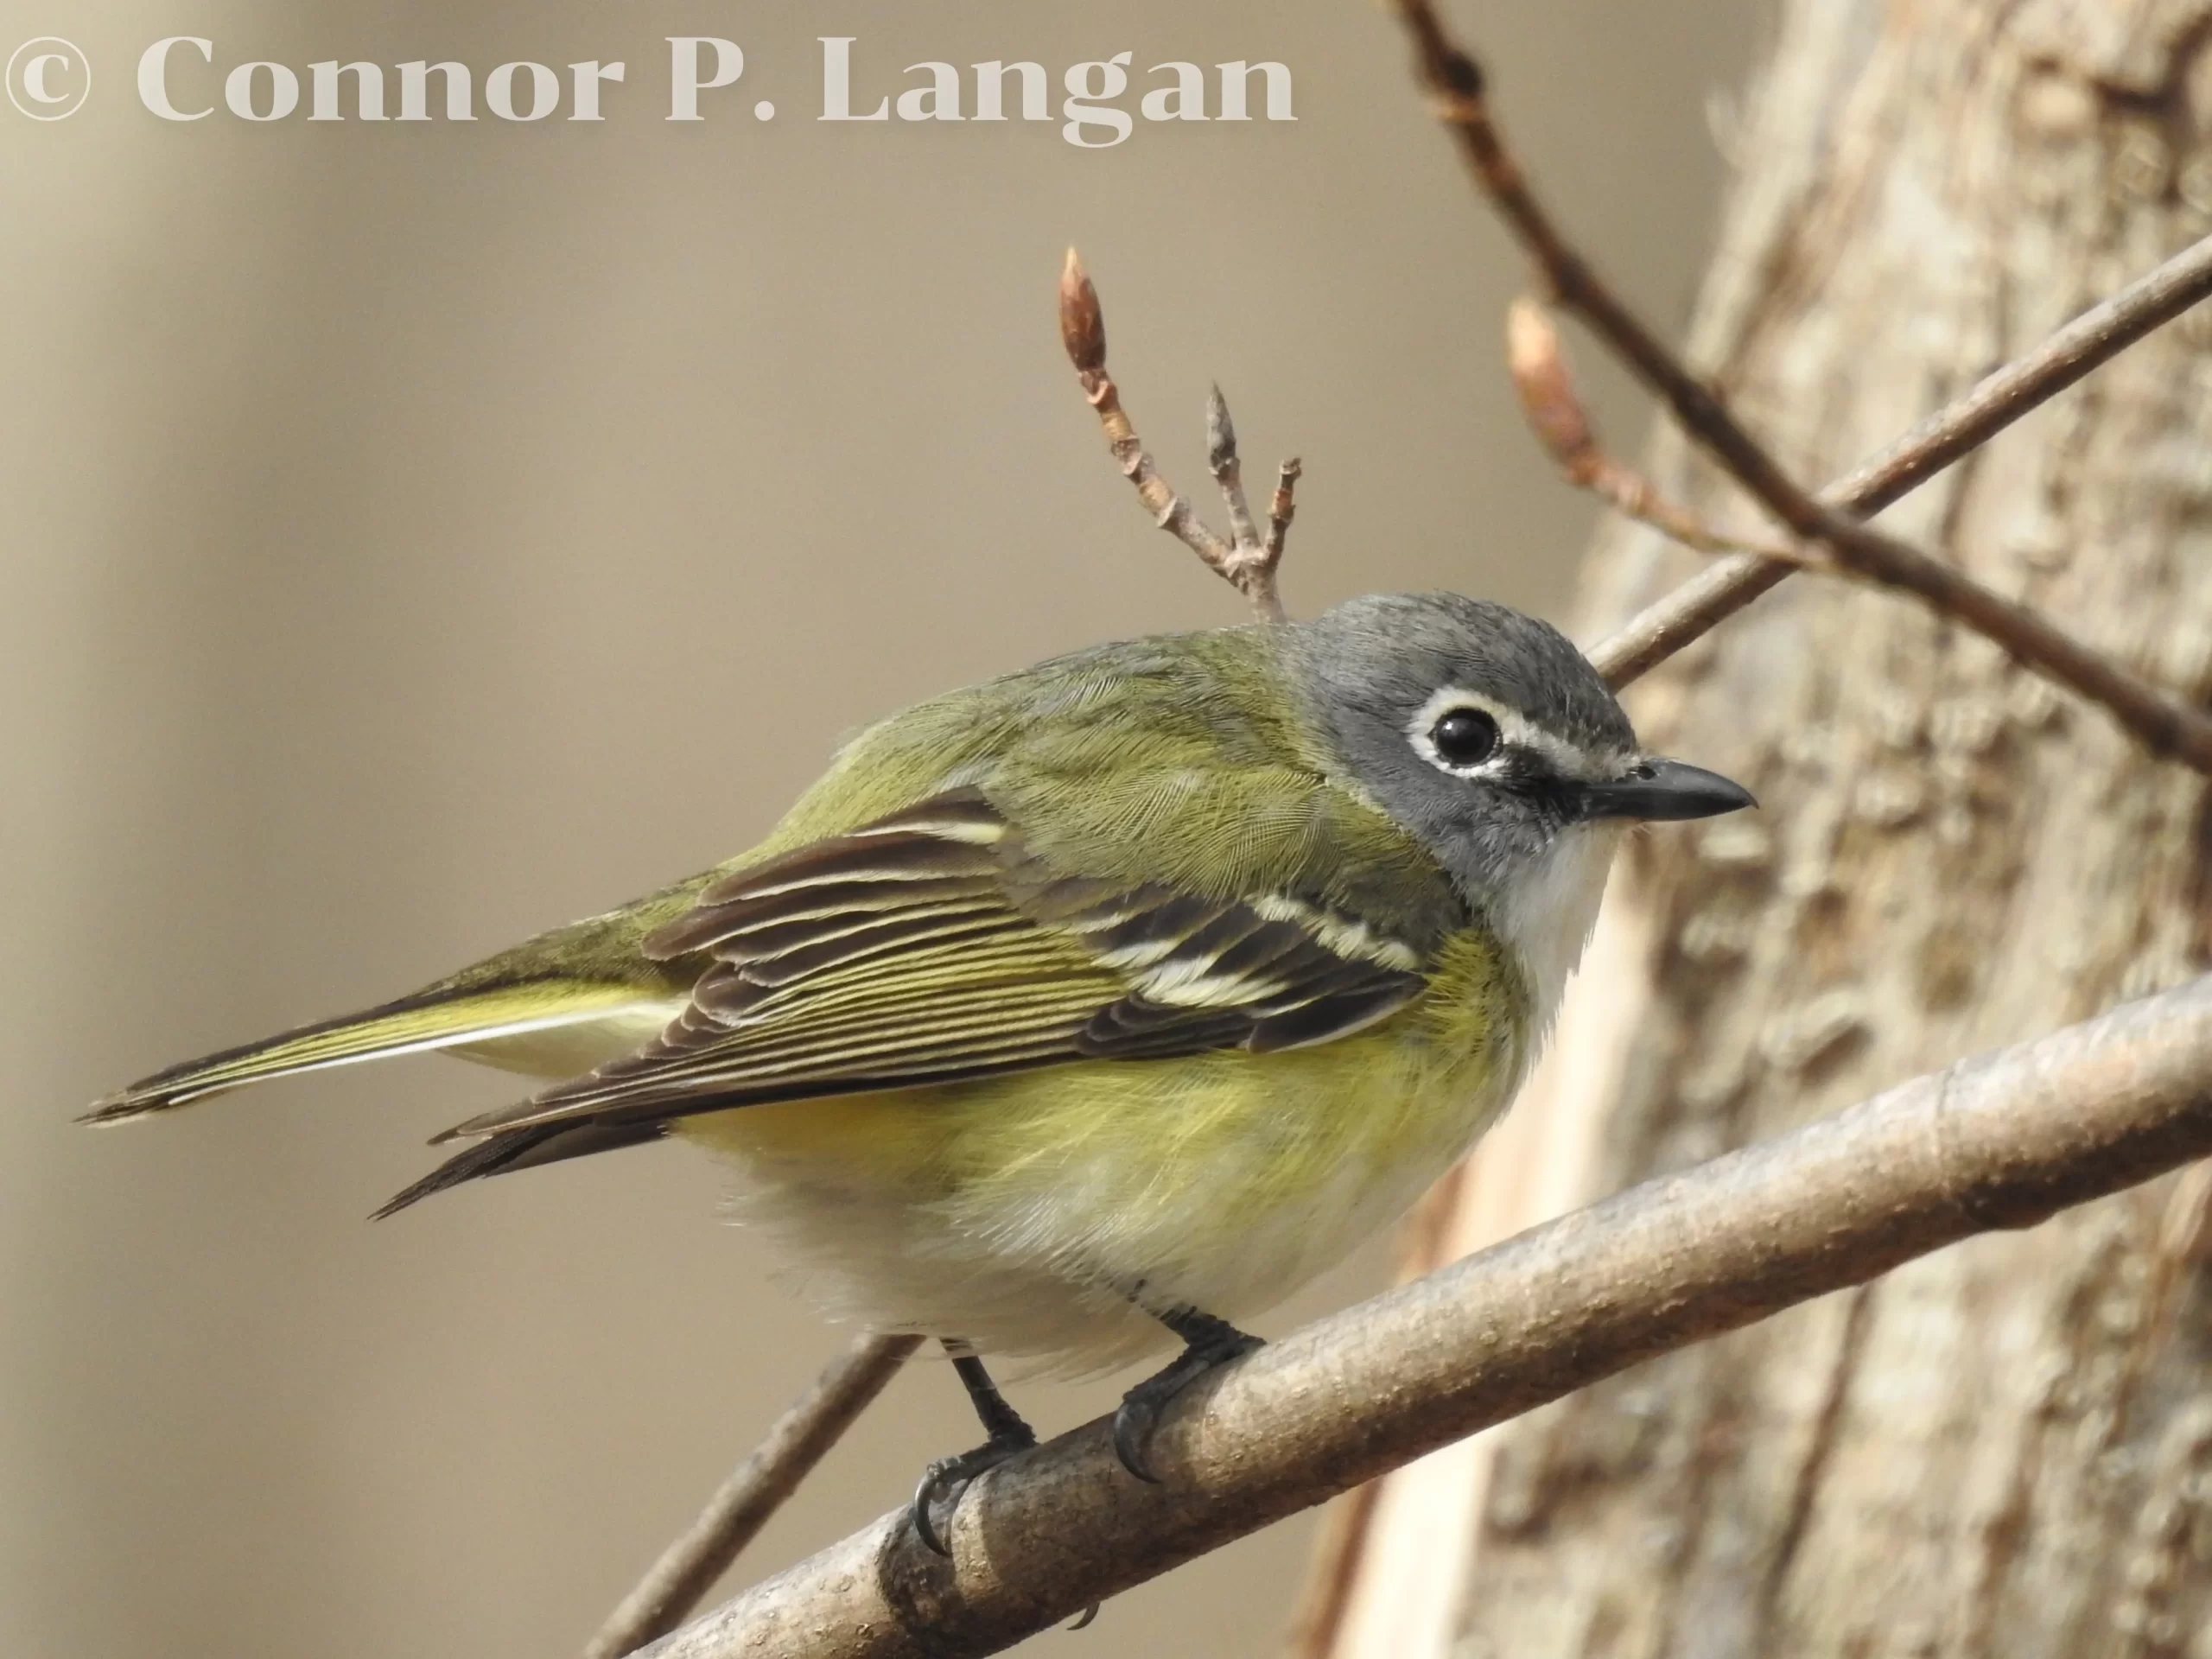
(1464, 737)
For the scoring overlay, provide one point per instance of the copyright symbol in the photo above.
(49, 78)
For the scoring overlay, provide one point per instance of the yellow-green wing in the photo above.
(931, 946)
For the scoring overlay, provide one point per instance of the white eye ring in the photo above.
(1430, 741)
(1516, 732)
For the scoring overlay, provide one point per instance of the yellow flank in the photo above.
(1175, 1173)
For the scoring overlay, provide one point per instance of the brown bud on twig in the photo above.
(1244, 562)
(1083, 325)
(1228, 470)
(1548, 396)
(1538, 365)
(1221, 432)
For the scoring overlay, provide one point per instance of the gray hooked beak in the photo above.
(1663, 790)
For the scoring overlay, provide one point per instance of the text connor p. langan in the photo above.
(1093, 111)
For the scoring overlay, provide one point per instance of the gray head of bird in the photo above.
(1490, 737)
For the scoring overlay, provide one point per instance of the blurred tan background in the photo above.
(414, 535)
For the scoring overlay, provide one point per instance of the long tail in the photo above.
(439, 1018)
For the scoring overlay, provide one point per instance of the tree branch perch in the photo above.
(2003, 1140)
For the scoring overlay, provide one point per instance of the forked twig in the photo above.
(1246, 562)
(2162, 722)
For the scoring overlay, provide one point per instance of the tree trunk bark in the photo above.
(2004, 1449)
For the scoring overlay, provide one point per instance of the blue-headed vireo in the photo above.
(1108, 999)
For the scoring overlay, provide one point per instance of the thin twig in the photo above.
(2093, 338)
(1228, 470)
(1283, 507)
(2163, 723)
(1247, 564)
(755, 1492)
(1318, 1621)
(2004, 1140)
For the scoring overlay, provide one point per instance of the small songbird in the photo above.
(1099, 1004)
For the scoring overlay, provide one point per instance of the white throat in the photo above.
(1548, 915)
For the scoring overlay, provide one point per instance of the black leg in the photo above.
(944, 1481)
(1207, 1343)
(999, 1420)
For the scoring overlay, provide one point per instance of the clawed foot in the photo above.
(1208, 1343)
(945, 1482)
(1211, 1343)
